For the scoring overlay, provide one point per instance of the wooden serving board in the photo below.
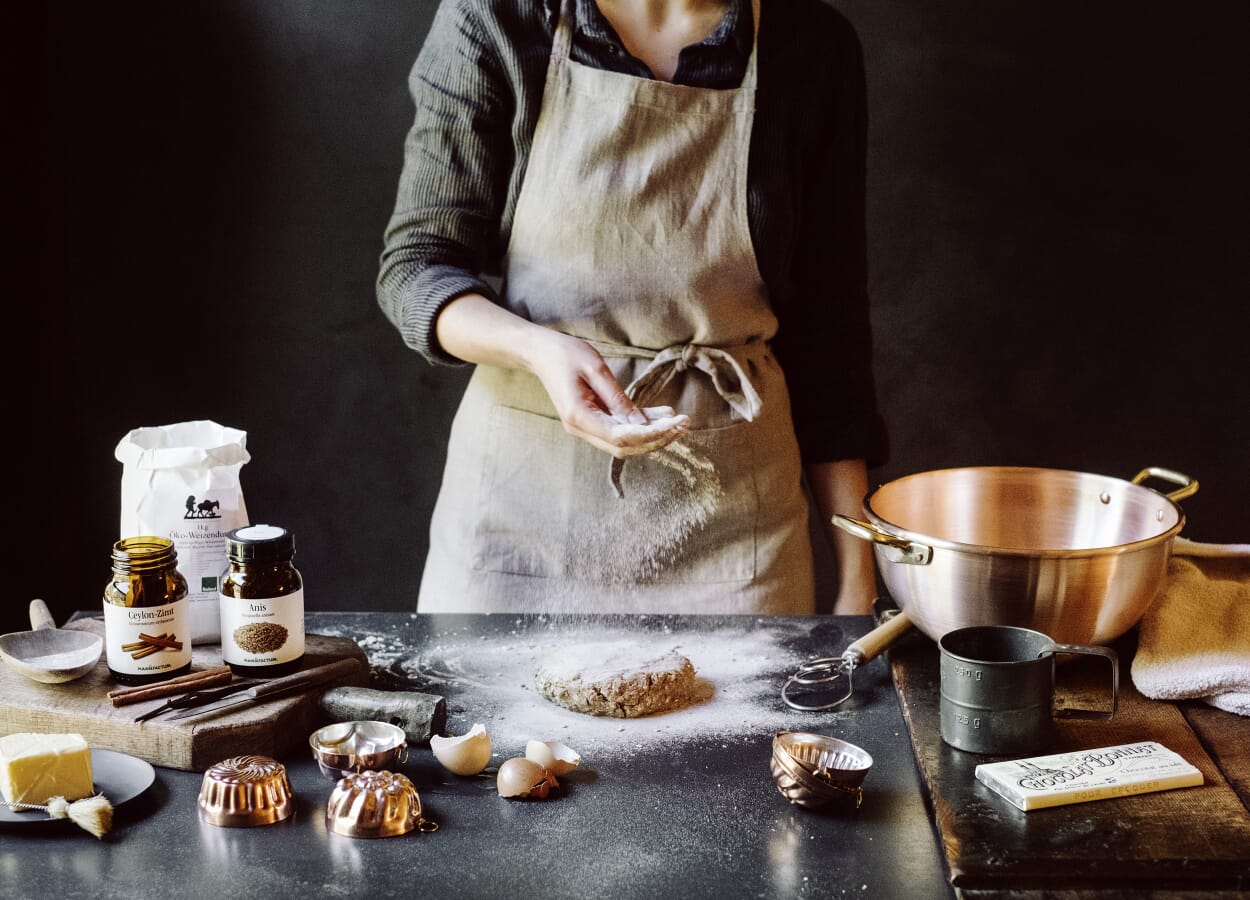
(274, 728)
(1191, 839)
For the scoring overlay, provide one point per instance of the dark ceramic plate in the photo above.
(117, 776)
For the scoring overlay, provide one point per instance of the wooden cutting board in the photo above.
(275, 728)
(1196, 839)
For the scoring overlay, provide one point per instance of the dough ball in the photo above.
(611, 680)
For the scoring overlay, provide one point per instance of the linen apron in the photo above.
(631, 232)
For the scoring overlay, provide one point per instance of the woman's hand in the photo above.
(592, 404)
(589, 400)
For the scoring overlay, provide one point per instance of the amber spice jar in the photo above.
(262, 603)
(147, 624)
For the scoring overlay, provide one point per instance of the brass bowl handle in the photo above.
(896, 549)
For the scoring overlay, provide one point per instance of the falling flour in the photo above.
(671, 495)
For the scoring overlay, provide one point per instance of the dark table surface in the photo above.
(680, 804)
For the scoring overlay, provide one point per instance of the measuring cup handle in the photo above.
(1110, 656)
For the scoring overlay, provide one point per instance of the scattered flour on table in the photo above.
(490, 679)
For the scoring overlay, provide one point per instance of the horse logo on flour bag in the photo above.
(205, 509)
(181, 481)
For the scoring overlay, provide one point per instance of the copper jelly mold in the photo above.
(245, 791)
(817, 771)
(347, 747)
(375, 805)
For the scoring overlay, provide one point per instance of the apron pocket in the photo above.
(525, 494)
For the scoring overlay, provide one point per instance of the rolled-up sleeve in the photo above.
(458, 158)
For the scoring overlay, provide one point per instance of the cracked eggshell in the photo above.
(519, 777)
(555, 757)
(467, 754)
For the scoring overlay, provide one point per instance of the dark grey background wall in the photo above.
(1058, 236)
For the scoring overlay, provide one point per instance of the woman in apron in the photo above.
(626, 441)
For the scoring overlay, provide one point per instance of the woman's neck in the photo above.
(656, 31)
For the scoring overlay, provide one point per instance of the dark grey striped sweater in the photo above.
(477, 87)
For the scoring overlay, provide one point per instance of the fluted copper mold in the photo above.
(817, 771)
(346, 747)
(374, 805)
(245, 791)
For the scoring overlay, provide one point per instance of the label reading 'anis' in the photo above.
(262, 631)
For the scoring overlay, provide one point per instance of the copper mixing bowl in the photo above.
(1079, 557)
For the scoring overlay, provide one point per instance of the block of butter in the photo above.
(35, 767)
(1088, 775)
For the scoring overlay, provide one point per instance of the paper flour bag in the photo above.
(182, 482)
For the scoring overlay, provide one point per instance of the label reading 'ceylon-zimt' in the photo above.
(262, 631)
(147, 640)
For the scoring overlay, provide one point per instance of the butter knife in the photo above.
(268, 690)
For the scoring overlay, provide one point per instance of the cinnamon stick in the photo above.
(161, 641)
(139, 645)
(181, 684)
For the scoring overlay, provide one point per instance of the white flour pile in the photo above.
(490, 679)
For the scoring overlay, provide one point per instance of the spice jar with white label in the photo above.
(262, 603)
(147, 617)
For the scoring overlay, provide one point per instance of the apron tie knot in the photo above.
(727, 375)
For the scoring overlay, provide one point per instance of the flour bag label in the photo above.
(181, 482)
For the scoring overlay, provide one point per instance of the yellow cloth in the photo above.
(1194, 640)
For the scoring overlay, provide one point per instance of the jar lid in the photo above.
(260, 543)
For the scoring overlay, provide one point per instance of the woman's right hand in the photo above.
(589, 400)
